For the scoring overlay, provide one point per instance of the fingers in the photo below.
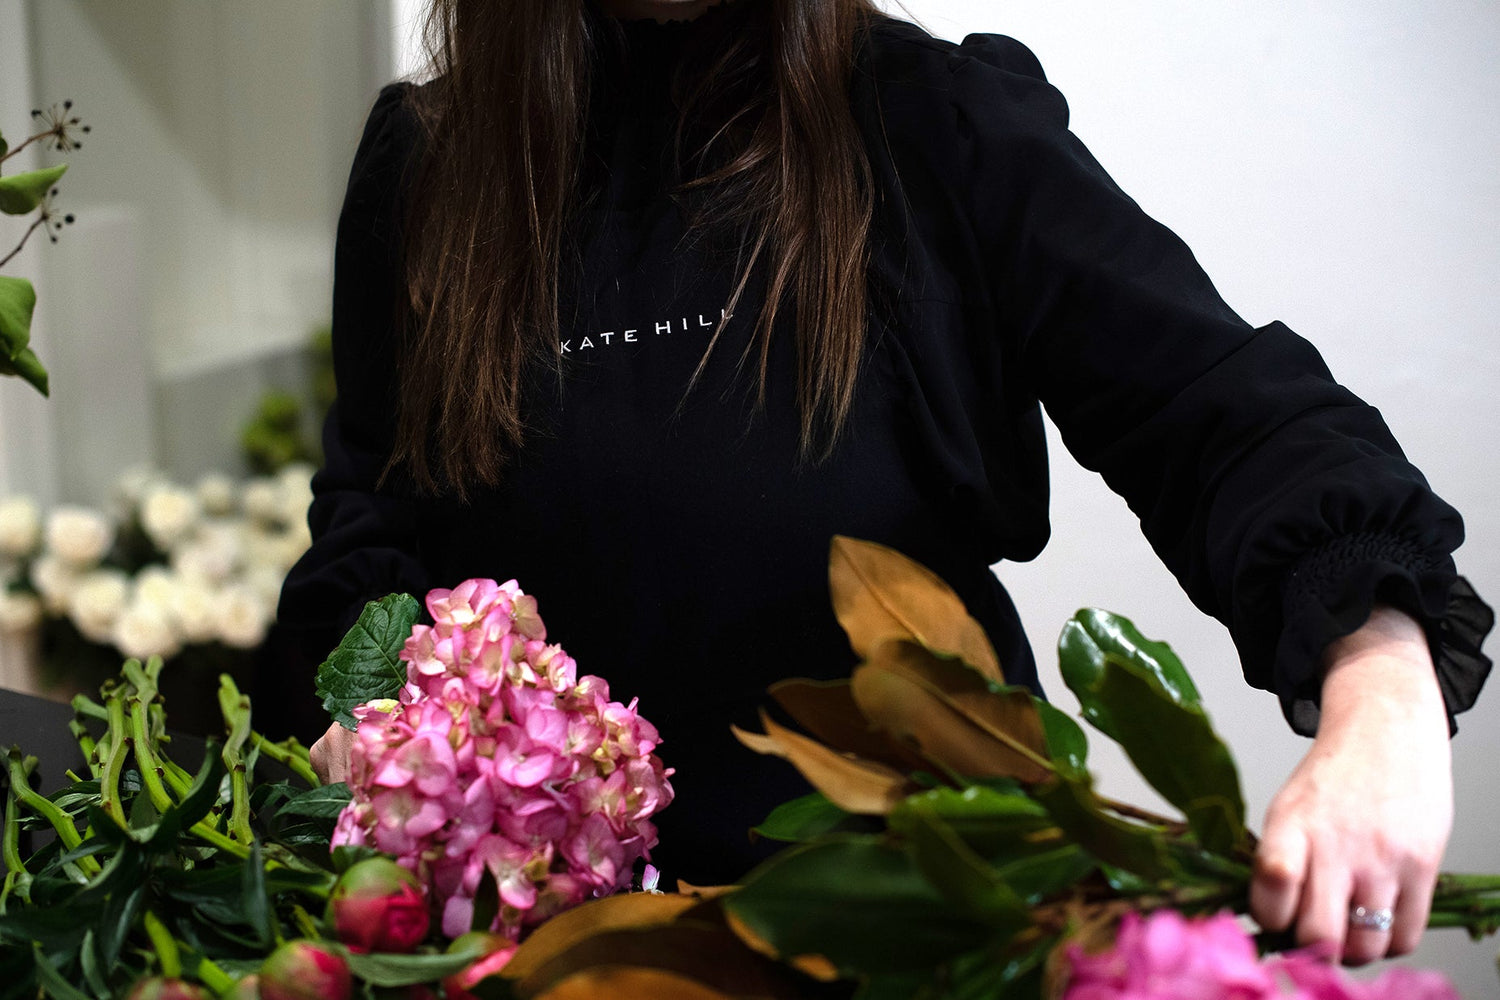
(1280, 868)
(329, 756)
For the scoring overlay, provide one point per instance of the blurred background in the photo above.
(1331, 164)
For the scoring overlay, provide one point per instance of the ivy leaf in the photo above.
(26, 366)
(22, 193)
(365, 666)
(17, 303)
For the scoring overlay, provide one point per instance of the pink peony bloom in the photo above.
(498, 762)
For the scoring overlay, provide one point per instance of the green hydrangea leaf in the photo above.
(22, 193)
(365, 666)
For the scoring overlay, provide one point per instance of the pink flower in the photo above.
(1316, 978)
(497, 758)
(1167, 957)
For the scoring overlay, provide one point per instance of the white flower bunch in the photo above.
(219, 554)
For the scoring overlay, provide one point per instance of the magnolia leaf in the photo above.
(1089, 635)
(951, 714)
(366, 665)
(634, 910)
(22, 193)
(854, 785)
(827, 710)
(1046, 873)
(704, 951)
(1175, 748)
(880, 594)
(1066, 742)
(859, 902)
(615, 983)
(996, 824)
(26, 366)
(802, 819)
(17, 304)
(960, 874)
(1073, 805)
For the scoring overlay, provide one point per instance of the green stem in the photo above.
(151, 770)
(236, 710)
(289, 753)
(1449, 884)
(114, 761)
(215, 978)
(20, 788)
(164, 944)
(17, 878)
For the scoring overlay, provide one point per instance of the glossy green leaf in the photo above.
(1175, 748)
(54, 984)
(960, 874)
(1047, 872)
(995, 824)
(859, 902)
(255, 902)
(1071, 801)
(17, 304)
(365, 666)
(802, 819)
(22, 193)
(26, 366)
(1066, 742)
(1081, 649)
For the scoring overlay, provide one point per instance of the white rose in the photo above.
(212, 556)
(20, 527)
(134, 484)
(168, 513)
(157, 585)
(216, 494)
(196, 610)
(143, 630)
(262, 500)
(97, 601)
(78, 536)
(296, 492)
(54, 579)
(242, 618)
(266, 581)
(19, 612)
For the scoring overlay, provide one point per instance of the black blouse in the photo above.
(679, 548)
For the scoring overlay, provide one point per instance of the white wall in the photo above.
(1333, 165)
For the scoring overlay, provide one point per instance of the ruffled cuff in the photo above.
(1330, 594)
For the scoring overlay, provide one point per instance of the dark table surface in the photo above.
(40, 728)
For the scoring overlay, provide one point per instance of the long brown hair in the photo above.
(487, 226)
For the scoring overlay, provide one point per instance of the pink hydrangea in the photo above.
(499, 765)
(1167, 956)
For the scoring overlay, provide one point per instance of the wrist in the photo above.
(1382, 675)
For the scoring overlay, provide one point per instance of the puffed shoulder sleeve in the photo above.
(1276, 496)
(364, 536)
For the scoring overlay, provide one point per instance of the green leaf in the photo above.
(1046, 873)
(51, 979)
(17, 304)
(254, 901)
(26, 366)
(1176, 749)
(959, 873)
(323, 802)
(996, 824)
(408, 970)
(365, 667)
(802, 819)
(4, 146)
(1066, 742)
(22, 193)
(1071, 801)
(93, 975)
(857, 901)
(1089, 635)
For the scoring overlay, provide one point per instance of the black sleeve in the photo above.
(1278, 498)
(364, 537)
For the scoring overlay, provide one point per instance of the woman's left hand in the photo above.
(1363, 820)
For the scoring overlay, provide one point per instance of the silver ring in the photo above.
(1372, 919)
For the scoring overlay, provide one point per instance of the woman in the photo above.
(666, 304)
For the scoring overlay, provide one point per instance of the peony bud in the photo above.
(378, 906)
(161, 988)
(244, 988)
(305, 970)
(497, 950)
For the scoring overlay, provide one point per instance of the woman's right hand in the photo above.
(330, 754)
